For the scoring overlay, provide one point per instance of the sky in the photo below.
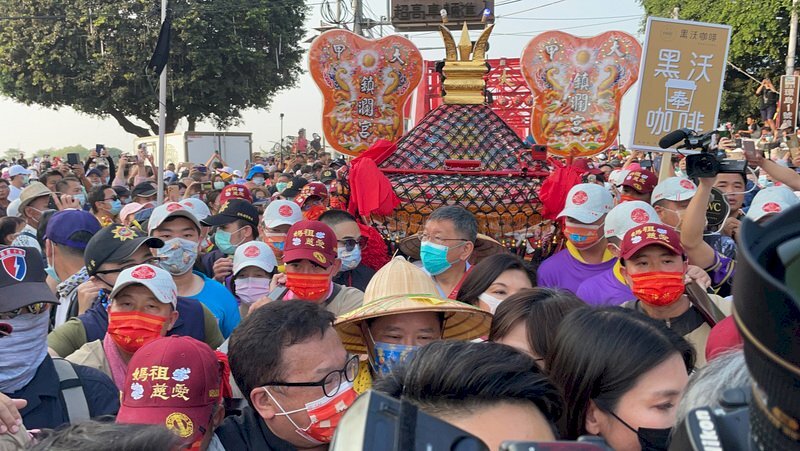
(31, 128)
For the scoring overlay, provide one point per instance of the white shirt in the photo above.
(13, 192)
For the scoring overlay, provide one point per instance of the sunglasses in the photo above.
(35, 309)
(350, 243)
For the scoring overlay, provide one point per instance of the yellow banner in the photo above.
(680, 79)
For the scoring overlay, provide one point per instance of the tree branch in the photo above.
(150, 123)
(126, 124)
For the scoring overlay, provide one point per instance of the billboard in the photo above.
(426, 15)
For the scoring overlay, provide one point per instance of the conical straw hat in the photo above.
(400, 287)
(398, 277)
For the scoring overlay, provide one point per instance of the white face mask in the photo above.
(491, 301)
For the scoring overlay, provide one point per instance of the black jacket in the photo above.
(248, 431)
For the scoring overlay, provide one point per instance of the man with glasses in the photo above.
(27, 372)
(297, 377)
(351, 245)
(105, 204)
(446, 243)
(110, 251)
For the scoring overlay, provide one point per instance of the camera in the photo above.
(707, 163)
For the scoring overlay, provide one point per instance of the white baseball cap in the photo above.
(254, 253)
(13, 207)
(18, 170)
(628, 215)
(198, 208)
(617, 176)
(771, 201)
(169, 210)
(281, 212)
(168, 175)
(155, 279)
(587, 202)
(676, 189)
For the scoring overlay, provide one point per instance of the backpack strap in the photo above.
(72, 395)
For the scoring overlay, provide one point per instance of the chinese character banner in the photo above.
(578, 84)
(681, 79)
(364, 84)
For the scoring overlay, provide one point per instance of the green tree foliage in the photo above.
(759, 42)
(226, 56)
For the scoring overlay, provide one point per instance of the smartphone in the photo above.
(646, 164)
(278, 293)
(206, 186)
(749, 147)
(73, 158)
(99, 148)
(738, 142)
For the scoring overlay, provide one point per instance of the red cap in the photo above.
(646, 234)
(643, 181)
(722, 338)
(235, 192)
(312, 189)
(172, 381)
(310, 240)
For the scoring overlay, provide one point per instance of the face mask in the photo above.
(223, 241)
(205, 243)
(81, 198)
(350, 260)
(52, 273)
(434, 257)
(650, 439)
(195, 196)
(309, 287)
(97, 183)
(132, 330)
(313, 213)
(251, 289)
(23, 350)
(25, 179)
(116, 207)
(280, 186)
(219, 185)
(258, 181)
(658, 288)
(276, 242)
(678, 213)
(388, 355)
(490, 300)
(324, 413)
(764, 182)
(582, 236)
(626, 198)
(177, 255)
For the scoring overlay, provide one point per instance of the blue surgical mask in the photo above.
(223, 241)
(81, 198)
(219, 185)
(116, 207)
(434, 257)
(388, 355)
(195, 196)
(350, 260)
(280, 186)
(177, 255)
(52, 273)
(258, 181)
(764, 182)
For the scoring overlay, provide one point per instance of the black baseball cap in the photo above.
(327, 175)
(121, 191)
(144, 189)
(293, 187)
(232, 210)
(22, 278)
(115, 243)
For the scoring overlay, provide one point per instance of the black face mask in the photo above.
(649, 439)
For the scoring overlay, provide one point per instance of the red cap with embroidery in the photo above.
(642, 181)
(174, 382)
(310, 240)
(644, 235)
(312, 189)
(235, 192)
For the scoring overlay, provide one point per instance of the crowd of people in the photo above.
(250, 309)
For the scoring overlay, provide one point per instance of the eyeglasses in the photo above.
(330, 384)
(35, 309)
(350, 243)
(149, 261)
(424, 237)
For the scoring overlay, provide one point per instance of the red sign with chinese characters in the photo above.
(578, 86)
(365, 84)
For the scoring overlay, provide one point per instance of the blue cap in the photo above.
(94, 171)
(65, 228)
(257, 169)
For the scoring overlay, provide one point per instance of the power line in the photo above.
(535, 7)
(568, 18)
(529, 33)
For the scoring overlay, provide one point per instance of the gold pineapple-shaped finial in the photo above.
(464, 67)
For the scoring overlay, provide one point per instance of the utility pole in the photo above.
(358, 17)
(792, 40)
(162, 116)
(283, 169)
